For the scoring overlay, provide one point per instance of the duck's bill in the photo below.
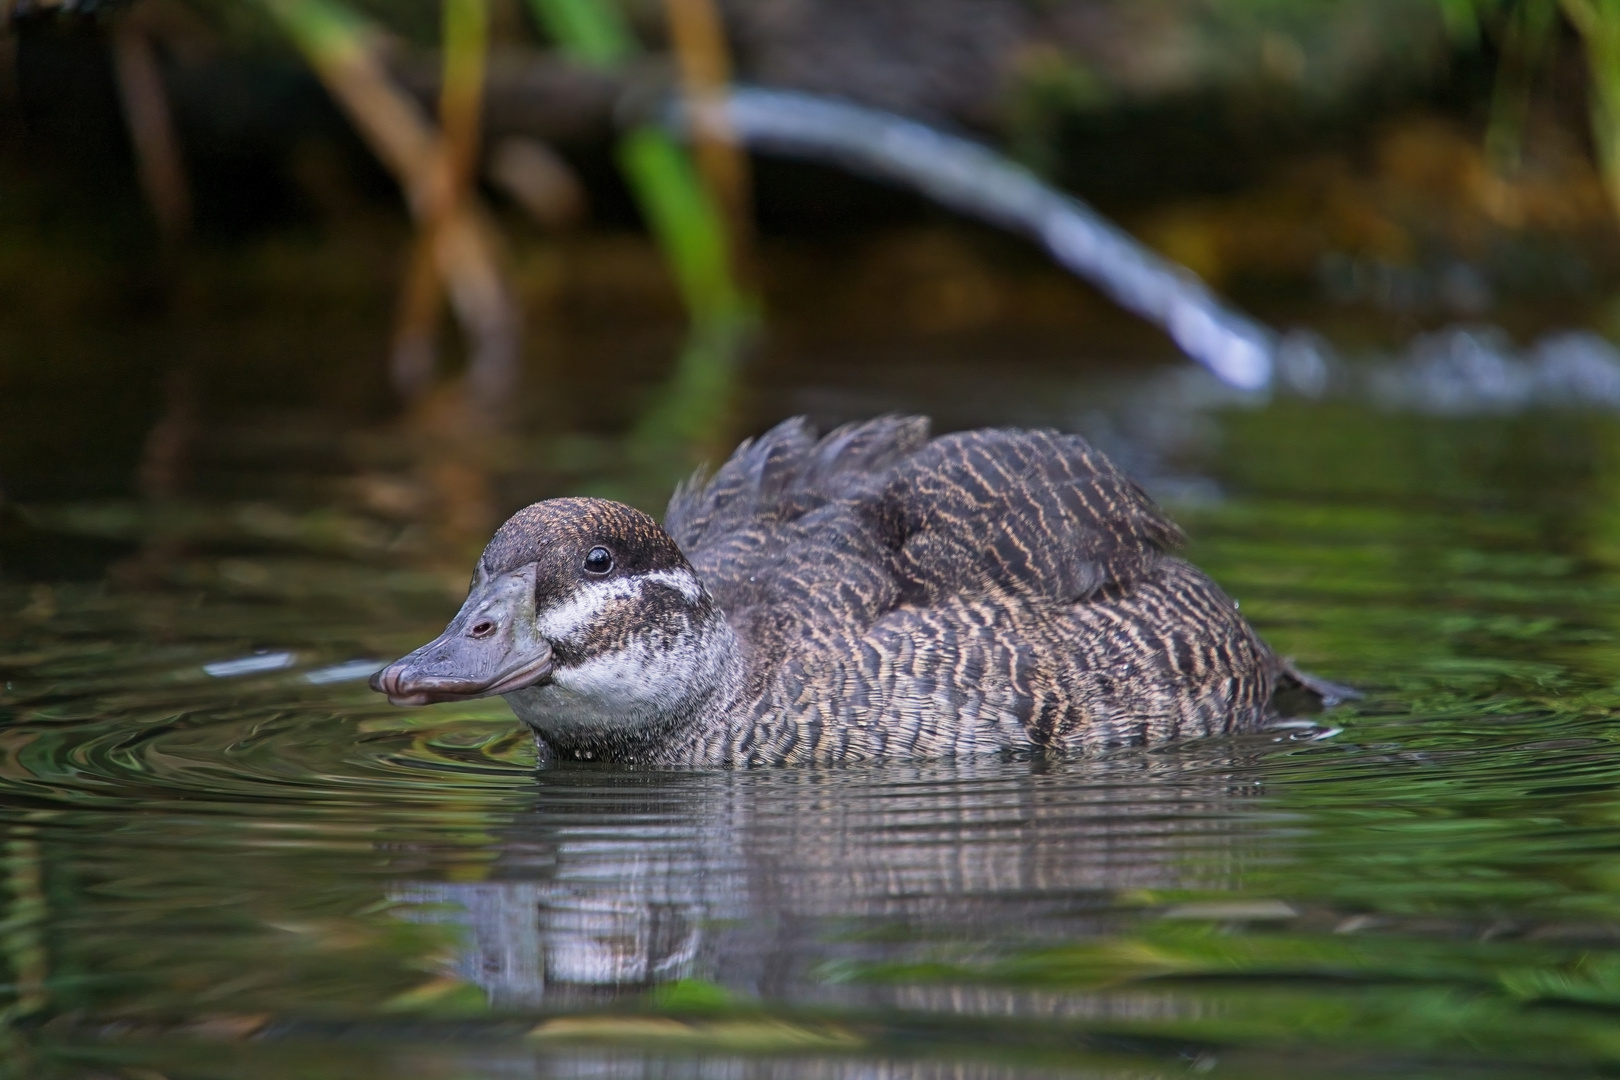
(429, 676)
(490, 647)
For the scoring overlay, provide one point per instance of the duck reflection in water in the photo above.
(755, 880)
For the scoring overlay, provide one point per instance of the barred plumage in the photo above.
(871, 593)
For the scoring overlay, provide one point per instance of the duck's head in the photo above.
(583, 612)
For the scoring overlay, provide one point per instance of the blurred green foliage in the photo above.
(682, 425)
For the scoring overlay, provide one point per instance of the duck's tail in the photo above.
(1299, 693)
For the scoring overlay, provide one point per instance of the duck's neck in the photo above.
(665, 683)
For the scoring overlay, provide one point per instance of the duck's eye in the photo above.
(599, 560)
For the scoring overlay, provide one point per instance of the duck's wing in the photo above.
(1034, 513)
(748, 517)
(808, 542)
(784, 474)
(778, 535)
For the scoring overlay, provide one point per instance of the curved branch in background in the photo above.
(977, 181)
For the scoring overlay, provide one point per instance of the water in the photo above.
(257, 873)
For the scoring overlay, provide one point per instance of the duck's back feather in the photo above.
(785, 473)
(1035, 513)
(778, 536)
(986, 588)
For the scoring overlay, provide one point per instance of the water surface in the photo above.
(262, 870)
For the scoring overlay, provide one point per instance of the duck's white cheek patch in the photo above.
(576, 615)
(681, 581)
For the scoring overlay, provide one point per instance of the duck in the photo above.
(872, 593)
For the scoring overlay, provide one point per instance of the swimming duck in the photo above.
(873, 593)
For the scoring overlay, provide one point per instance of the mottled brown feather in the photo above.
(987, 590)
